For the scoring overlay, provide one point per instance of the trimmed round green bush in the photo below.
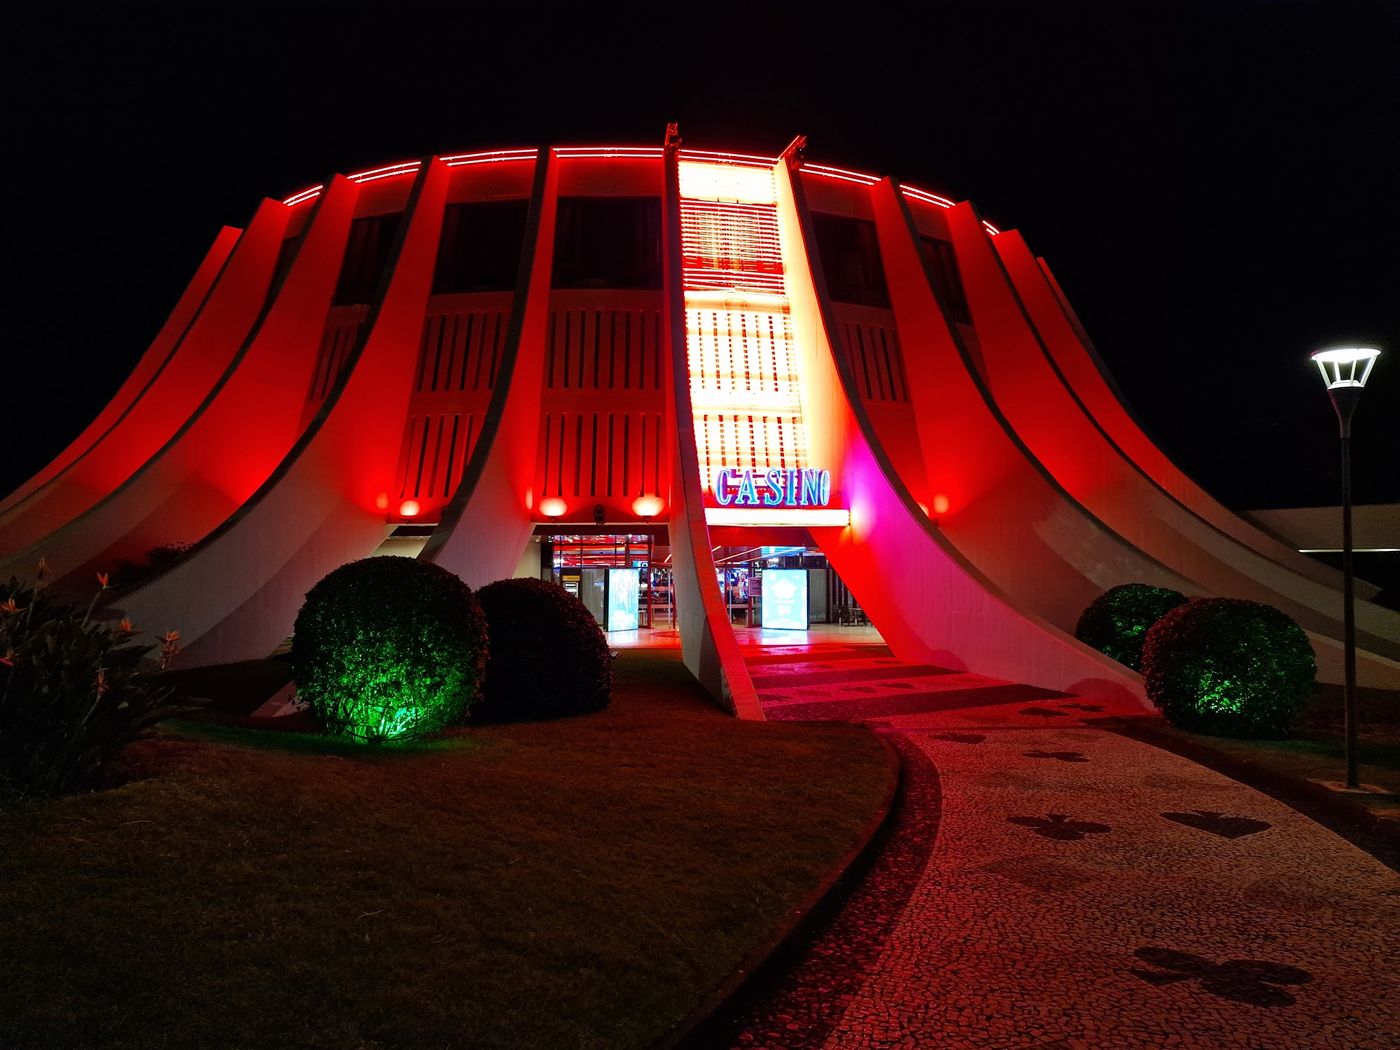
(389, 649)
(1117, 621)
(549, 657)
(1229, 667)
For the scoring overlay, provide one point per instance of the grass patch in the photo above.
(1316, 751)
(579, 883)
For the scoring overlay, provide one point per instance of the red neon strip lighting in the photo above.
(572, 152)
(926, 197)
(941, 202)
(304, 195)
(748, 160)
(389, 169)
(461, 160)
(860, 178)
(455, 160)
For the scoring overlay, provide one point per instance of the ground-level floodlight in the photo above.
(1345, 371)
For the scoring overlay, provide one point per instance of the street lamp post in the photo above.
(1345, 371)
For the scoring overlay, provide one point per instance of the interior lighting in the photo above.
(749, 159)
(727, 182)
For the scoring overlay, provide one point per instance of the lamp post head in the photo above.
(1345, 370)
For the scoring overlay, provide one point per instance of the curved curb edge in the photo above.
(707, 1025)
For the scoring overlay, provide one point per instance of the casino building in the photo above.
(643, 370)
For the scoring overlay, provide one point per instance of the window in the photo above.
(608, 242)
(480, 247)
(366, 255)
(850, 254)
(942, 267)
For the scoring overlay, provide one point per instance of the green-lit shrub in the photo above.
(1229, 667)
(1117, 621)
(548, 656)
(73, 692)
(388, 648)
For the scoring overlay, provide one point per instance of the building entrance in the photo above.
(783, 593)
(623, 578)
(784, 588)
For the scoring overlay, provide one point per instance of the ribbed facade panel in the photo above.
(603, 456)
(604, 349)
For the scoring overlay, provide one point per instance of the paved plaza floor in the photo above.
(1051, 883)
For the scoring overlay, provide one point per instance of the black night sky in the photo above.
(1214, 184)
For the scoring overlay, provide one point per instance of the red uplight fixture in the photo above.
(409, 508)
(553, 507)
(647, 506)
(940, 503)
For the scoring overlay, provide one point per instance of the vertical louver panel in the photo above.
(601, 455)
(337, 341)
(434, 454)
(603, 350)
(875, 359)
(458, 357)
(460, 351)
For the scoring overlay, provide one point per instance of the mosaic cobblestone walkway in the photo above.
(1052, 884)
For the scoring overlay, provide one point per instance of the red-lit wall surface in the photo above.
(987, 482)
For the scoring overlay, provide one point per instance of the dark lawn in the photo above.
(581, 883)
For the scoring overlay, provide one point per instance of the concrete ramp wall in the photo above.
(236, 595)
(237, 436)
(171, 397)
(930, 603)
(155, 358)
(489, 519)
(1030, 393)
(1082, 372)
(708, 645)
(1005, 514)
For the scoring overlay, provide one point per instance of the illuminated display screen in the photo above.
(785, 599)
(623, 592)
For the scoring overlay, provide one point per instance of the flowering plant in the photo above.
(73, 691)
